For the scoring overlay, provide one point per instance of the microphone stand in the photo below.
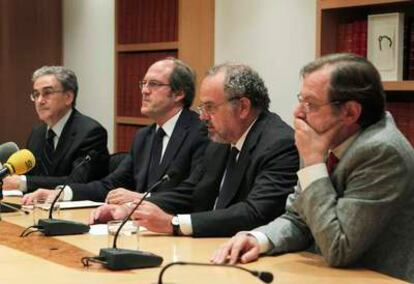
(119, 259)
(265, 276)
(57, 227)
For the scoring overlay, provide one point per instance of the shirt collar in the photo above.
(340, 149)
(58, 127)
(169, 125)
(239, 144)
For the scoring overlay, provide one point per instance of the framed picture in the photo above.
(385, 44)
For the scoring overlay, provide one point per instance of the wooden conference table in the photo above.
(38, 259)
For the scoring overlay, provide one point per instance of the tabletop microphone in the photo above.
(58, 227)
(265, 276)
(119, 259)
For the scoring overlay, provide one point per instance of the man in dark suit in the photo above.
(359, 212)
(247, 172)
(64, 139)
(168, 91)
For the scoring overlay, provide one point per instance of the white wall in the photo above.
(275, 37)
(88, 48)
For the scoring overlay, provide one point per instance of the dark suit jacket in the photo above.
(184, 151)
(267, 167)
(81, 135)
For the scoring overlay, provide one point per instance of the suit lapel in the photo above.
(144, 161)
(66, 140)
(174, 144)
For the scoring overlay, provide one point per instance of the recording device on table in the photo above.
(265, 276)
(58, 227)
(119, 259)
(14, 161)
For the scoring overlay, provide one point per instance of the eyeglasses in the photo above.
(45, 93)
(209, 108)
(151, 84)
(312, 107)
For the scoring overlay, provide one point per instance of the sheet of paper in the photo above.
(79, 204)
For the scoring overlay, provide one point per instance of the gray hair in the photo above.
(65, 76)
(242, 81)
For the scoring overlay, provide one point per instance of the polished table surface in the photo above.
(36, 259)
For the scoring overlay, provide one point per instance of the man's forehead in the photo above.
(46, 81)
(160, 68)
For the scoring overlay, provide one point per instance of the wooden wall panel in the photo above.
(30, 36)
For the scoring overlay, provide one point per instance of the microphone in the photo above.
(265, 276)
(6, 150)
(119, 259)
(18, 163)
(57, 227)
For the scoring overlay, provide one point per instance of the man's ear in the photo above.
(351, 112)
(70, 97)
(179, 96)
(245, 107)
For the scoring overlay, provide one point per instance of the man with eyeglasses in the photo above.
(64, 138)
(356, 209)
(249, 168)
(173, 145)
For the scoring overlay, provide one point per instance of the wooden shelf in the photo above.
(141, 121)
(398, 85)
(153, 46)
(336, 4)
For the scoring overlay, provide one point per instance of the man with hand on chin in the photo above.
(354, 202)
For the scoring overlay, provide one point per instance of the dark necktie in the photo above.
(230, 173)
(331, 163)
(155, 156)
(49, 150)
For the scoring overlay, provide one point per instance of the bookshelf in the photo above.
(149, 30)
(331, 14)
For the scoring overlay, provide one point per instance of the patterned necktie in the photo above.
(228, 178)
(49, 150)
(331, 163)
(155, 156)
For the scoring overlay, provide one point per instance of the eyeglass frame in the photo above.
(213, 107)
(151, 84)
(312, 107)
(45, 93)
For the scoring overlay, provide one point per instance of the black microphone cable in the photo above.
(265, 276)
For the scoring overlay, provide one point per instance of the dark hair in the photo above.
(353, 78)
(242, 81)
(65, 76)
(182, 78)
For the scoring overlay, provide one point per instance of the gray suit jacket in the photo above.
(364, 214)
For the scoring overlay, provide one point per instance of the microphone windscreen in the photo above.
(21, 162)
(6, 150)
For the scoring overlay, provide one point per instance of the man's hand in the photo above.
(11, 182)
(313, 146)
(242, 247)
(108, 212)
(122, 195)
(40, 194)
(153, 218)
